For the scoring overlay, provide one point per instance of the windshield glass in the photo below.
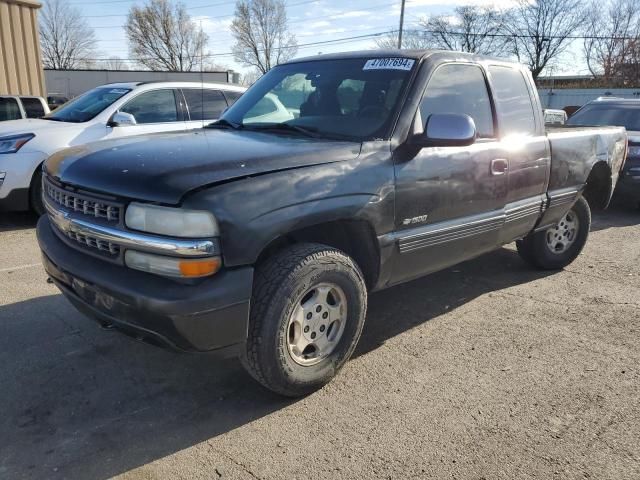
(627, 116)
(88, 105)
(352, 98)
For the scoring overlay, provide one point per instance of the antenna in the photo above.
(201, 76)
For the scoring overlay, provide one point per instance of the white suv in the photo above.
(110, 111)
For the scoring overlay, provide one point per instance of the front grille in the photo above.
(102, 245)
(83, 203)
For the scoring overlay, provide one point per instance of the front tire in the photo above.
(307, 312)
(558, 246)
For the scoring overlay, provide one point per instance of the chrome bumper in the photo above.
(68, 222)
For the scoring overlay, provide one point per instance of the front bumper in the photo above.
(18, 169)
(210, 315)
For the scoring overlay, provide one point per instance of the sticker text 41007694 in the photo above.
(389, 64)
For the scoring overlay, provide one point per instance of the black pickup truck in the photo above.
(262, 234)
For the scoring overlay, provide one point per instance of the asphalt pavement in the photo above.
(488, 370)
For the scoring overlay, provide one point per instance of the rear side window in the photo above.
(462, 89)
(204, 104)
(514, 102)
(156, 106)
(232, 97)
(33, 107)
(9, 109)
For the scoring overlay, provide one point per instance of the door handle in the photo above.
(499, 166)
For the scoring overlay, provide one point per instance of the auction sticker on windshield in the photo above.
(389, 64)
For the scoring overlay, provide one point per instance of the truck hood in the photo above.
(164, 167)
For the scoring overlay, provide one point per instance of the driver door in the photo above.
(450, 200)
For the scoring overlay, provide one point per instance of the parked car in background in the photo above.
(16, 107)
(107, 112)
(262, 237)
(620, 112)
(554, 117)
(55, 101)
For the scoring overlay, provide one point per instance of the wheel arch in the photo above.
(355, 237)
(598, 189)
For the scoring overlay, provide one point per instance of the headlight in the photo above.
(171, 266)
(14, 143)
(633, 152)
(175, 222)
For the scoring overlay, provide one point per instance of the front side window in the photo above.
(9, 109)
(514, 102)
(348, 98)
(32, 107)
(156, 106)
(461, 89)
(87, 106)
(204, 104)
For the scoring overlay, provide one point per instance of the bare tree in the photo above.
(261, 34)
(471, 29)
(66, 39)
(542, 30)
(612, 41)
(411, 39)
(162, 36)
(114, 63)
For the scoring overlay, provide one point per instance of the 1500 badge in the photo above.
(414, 220)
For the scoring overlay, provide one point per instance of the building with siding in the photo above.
(71, 83)
(20, 57)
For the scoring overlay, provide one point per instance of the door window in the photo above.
(204, 104)
(514, 102)
(232, 96)
(9, 109)
(461, 89)
(157, 106)
(33, 107)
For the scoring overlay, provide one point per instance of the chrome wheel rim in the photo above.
(316, 324)
(562, 236)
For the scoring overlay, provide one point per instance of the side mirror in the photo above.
(121, 119)
(447, 130)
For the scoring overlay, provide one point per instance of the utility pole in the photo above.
(401, 25)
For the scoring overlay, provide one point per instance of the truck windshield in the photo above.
(354, 99)
(627, 116)
(88, 105)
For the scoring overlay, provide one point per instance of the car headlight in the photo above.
(14, 143)
(634, 151)
(175, 222)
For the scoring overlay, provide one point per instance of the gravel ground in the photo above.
(486, 370)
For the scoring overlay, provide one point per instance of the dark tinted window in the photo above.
(615, 115)
(514, 102)
(33, 107)
(459, 89)
(232, 97)
(204, 104)
(157, 106)
(9, 109)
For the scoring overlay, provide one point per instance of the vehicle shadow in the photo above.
(619, 214)
(17, 220)
(82, 403)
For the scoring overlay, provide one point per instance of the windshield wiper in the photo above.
(224, 123)
(285, 127)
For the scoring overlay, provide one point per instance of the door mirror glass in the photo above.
(121, 119)
(447, 130)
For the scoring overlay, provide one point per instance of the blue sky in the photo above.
(310, 20)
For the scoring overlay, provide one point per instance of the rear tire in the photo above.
(558, 246)
(35, 193)
(307, 312)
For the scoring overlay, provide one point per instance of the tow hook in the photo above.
(49, 280)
